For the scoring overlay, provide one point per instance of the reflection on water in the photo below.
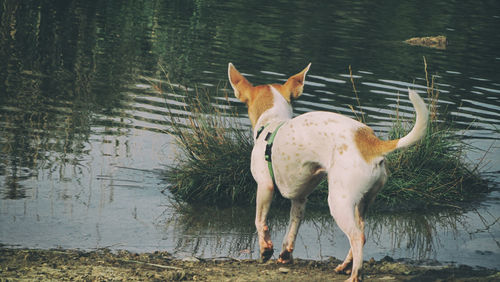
(418, 234)
(210, 232)
(82, 132)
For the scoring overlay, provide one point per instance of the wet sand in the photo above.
(104, 265)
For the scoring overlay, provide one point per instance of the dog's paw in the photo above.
(344, 268)
(285, 257)
(353, 279)
(266, 255)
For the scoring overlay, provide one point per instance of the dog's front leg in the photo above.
(296, 215)
(264, 198)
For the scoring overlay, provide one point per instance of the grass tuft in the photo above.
(213, 166)
(432, 173)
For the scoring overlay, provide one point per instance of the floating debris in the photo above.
(438, 42)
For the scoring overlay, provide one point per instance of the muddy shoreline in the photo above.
(105, 265)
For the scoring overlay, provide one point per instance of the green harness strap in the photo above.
(269, 146)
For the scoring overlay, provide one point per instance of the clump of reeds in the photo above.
(433, 172)
(214, 167)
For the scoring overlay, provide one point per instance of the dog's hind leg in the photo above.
(351, 221)
(296, 215)
(359, 212)
(346, 265)
(345, 209)
(347, 216)
(264, 198)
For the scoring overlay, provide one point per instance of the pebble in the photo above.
(191, 259)
(284, 270)
(372, 261)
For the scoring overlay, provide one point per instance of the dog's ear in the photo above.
(295, 84)
(239, 83)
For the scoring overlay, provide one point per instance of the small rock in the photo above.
(372, 261)
(284, 270)
(191, 259)
(388, 259)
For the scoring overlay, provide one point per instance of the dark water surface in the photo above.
(82, 132)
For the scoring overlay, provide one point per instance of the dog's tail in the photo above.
(371, 148)
(420, 127)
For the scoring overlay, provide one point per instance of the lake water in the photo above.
(83, 142)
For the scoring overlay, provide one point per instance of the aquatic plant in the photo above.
(434, 172)
(214, 164)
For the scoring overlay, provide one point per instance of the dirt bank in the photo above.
(104, 265)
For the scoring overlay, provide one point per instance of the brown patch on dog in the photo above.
(295, 84)
(261, 99)
(342, 148)
(370, 146)
(284, 91)
(239, 83)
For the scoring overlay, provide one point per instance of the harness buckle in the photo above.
(268, 136)
(267, 154)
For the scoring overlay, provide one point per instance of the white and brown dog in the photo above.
(294, 154)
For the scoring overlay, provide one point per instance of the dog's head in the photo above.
(260, 98)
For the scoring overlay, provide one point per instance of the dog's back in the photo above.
(311, 144)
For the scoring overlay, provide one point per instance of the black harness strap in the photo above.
(267, 155)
